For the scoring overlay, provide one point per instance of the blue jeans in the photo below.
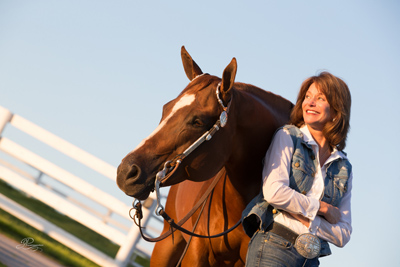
(271, 250)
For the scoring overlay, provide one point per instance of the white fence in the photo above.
(114, 224)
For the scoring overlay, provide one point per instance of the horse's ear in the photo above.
(228, 79)
(191, 68)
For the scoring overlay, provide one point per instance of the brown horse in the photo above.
(235, 151)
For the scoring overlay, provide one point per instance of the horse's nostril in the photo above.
(127, 173)
(134, 172)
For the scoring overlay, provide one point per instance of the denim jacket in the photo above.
(258, 214)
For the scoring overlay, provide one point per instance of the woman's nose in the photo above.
(311, 101)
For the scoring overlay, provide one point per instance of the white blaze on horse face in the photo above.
(186, 100)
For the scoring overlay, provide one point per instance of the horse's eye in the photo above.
(197, 122)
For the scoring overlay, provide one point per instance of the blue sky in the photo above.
(97, 73)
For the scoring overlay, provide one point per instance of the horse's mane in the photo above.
(265, 96)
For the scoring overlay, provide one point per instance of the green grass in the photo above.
(17, 230)
(85, 234)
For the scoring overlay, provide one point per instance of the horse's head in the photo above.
(180, 147)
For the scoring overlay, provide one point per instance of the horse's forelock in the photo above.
(200, 83)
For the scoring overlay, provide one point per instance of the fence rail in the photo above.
(127, 236)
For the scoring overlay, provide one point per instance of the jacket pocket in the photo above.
(302, 172)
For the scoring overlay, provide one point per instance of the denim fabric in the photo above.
(304, 164)
(271, 250)
(303, 168)
(337, 176)
(257, 215)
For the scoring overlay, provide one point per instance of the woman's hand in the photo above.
(329, 212)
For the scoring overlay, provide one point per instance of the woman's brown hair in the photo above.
(339, 98)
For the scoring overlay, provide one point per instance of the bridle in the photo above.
(172, 165)
(170, 168)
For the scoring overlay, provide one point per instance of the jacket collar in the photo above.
(308, 139)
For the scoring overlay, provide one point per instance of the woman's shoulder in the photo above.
(284, 136)
(342, 160)
(341, 154)
(290, 131)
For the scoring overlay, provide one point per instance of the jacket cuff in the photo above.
(312, 209)
(315, 220)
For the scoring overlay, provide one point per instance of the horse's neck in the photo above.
(258, 115)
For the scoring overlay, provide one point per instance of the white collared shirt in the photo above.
(277, 192)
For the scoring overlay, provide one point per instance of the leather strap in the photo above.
(282, 231)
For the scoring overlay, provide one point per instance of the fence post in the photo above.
(125, 252)
(5, 117)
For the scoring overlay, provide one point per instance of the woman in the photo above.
(307, 181)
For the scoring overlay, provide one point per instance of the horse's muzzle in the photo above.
(129, 180)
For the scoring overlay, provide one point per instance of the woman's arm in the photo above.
(276, 188)
(338, 233)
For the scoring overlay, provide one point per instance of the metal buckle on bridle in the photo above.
(159, 177)
(223, 118)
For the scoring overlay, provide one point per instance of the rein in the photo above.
(169, 169)
(178, 226)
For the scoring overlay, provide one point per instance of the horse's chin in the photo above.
(142, 196)
(139, 193)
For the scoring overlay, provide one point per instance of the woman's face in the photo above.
(316, 109)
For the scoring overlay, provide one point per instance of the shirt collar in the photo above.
(307, 137)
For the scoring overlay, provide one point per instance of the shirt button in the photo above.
(297, 164)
